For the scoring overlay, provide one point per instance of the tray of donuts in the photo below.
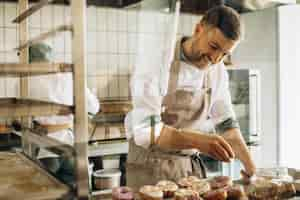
(217, 188)
(189, 188)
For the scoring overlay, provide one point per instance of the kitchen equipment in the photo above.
(106, 179)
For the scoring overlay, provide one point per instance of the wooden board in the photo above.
(28, 12)
(34, 68)
(44, 36)
(12, 107)
(20, 178)
(116, 106)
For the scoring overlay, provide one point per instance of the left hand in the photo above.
(235, 139)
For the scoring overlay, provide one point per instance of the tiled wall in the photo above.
(111, 43)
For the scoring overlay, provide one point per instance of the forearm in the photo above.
(209, 144)
(172, 138)
(235, 139)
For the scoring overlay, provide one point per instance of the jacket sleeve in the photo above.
(221, 112)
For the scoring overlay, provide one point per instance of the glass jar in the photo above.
(277, 173)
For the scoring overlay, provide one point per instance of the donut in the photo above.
(186, 194)
(219, 194)
(122, 193)
(201, 186)
(150, 192)
(187, 181)
(235, 192)
(220, 182)
(168, 188)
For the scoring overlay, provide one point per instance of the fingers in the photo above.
(226, 146)
(222, 154)
(218, 151)
(246, 178)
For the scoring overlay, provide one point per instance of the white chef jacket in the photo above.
(58, 88)
(147, 96)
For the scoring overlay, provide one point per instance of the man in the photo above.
(56, 88)
(195, 114)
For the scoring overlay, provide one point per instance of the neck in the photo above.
(187, 47)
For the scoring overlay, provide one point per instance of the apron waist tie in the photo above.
(197, 163)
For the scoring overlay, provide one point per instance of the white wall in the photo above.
(111, 43)
(289, 23)
(258, 51)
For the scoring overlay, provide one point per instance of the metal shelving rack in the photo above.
(25, 107)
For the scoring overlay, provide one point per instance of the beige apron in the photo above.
(181, 109)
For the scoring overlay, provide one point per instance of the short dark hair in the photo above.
(226, 19)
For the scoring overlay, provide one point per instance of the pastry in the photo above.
(220, 182)
(168, 188)
(186, 194)
(235, 192)
(262, 189)
(122, 193)
(201, 186)
(187, 181)
(284, 189)
(220, 194)
(150, 192)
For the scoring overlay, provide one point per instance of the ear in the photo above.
(199, 28)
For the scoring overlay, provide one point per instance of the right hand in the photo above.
(215, 146)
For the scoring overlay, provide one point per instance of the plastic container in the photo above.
(106, 179)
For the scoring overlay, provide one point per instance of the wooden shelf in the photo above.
(16, 69)
(44, 36)
(31, 10)
(13, 107)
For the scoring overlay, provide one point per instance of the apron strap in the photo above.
(152, 131)
(174, 70)
(208, 91)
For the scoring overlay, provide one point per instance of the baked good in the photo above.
(288, 190)
(220, 194)
(201, 186)
(284, 189)
(168, 188)
(150, 192)
(122, 193)
(262, 189)
(186, 194)
(235, 192)
(220, 182)
(187, 182)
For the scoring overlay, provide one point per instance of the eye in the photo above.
(212, 46)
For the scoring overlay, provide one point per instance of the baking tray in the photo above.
(21, 178)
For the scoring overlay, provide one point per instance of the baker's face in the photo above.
(209, 46)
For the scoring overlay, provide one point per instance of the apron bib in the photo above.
(181, 109)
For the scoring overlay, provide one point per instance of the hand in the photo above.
(215, 146)
(236, 141)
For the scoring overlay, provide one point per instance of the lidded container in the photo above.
(106, 178)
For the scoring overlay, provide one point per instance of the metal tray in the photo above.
(21, 178)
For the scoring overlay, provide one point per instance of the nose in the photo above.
(215, 57)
